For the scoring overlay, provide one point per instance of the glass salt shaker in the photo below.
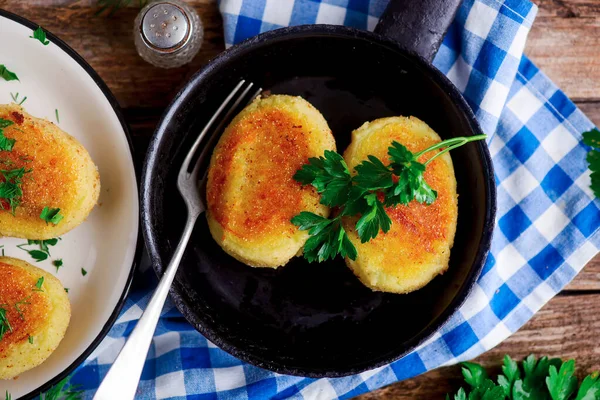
(168, 33)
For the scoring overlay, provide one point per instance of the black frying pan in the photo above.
(318, 319)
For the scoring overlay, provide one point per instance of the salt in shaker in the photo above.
(168, 33)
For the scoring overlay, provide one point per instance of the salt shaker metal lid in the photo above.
(168, 33)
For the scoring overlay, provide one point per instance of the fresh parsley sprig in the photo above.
(592, 139)
(367, 193)
(543, 379)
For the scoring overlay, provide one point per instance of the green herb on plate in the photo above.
(15, 98)
(7, 75)
(83, 272)
(30, 339)
(39, 284)
(18, 308)
(57, 264)
(63, 391)
(57, 117)
(40, 35)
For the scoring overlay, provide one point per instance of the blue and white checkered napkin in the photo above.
(547, 218)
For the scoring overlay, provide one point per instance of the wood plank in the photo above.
(565, 42)
(566, 327)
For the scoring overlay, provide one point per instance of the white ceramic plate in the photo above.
(54, 77)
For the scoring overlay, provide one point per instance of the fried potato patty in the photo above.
(62, 175)
(417, 247)
(251, 193)
(37, 317)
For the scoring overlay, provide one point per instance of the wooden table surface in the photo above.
(564, 42)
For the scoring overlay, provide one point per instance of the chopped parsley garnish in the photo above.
(67, 289)
(6, 144)
(592, 139)
(57, 117)
(10, 189)
(63, 391)
(30, 339)
(39, 283)
(374, 187)
(19, 303)
(83, 272)
(4, 324)
(51, 215)
(7, 75)
(38, 255)
(15, 98)
(57, 263)
(44, 251)
(40, 35)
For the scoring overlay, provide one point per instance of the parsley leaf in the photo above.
(327, 237)
(511, 374)
(373, 175)
(30, 339)
(63, 391)
(39, 283)
(51, 215)
(474, 374)
(4, 324)
(329, 175)
(57, 263)
(10, 188)
(5, 123)
(592, 139)
(590, 388)
(562, 384)
(7, 75)
(40, 35)
(411, 184)
(38, 255)
(83, 272)
(373, 219)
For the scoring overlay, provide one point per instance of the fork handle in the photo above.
(123, 378)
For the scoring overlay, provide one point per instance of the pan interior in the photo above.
(313, 319)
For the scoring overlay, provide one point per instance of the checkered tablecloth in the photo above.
(546, 228)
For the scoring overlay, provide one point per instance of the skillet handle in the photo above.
(418, 25)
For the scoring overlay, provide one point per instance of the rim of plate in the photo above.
(139, 243)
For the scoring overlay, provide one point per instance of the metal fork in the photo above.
(123, 378)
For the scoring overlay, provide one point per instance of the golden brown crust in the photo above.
(62, 175)
(42, 315)
(251, 193)
(417, 247)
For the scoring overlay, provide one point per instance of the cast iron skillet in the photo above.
(317, 319)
